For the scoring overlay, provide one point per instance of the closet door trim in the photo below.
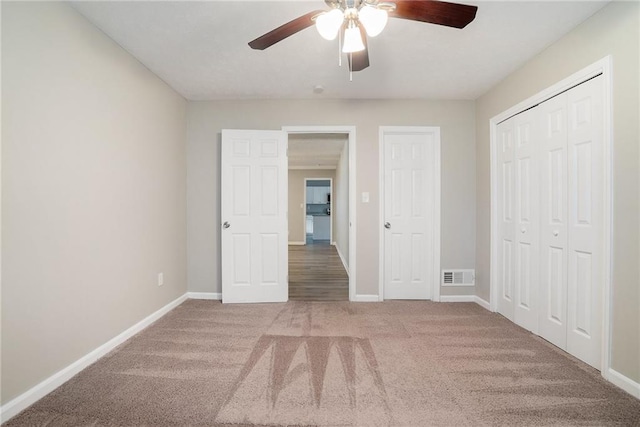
(602, 67)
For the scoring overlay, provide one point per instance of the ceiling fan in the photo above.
(354, 20)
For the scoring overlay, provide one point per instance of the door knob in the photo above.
(226, 224)
(387, 225)
(556, 232)
(523, 230)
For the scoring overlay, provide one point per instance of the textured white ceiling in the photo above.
(200, 48)
(315, 151)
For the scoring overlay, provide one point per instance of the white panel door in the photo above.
(527, 220)
(254, 216)
(409, 214)
(553, 226)
(585, 152)
(506, 213)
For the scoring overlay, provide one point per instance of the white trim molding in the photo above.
(601, 67)
(625, 383)
(465, 298)
(351, 132)
(28, 398)
(482, 302)
(366, 298)
(435, 130)
(205, 295)
(342, 258)
(312, 168)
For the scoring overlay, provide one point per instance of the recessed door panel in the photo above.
(556, 300)
(555, 192)
(269, 244)
(417, 190)
(241, 190)
(523, 279)
(507, 191)
(507, 270)
(396, 258)
(417, 263)
(269, 186)
(582, 180)
(581, 317)
(241, 259)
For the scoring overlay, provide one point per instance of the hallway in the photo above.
(316, 273)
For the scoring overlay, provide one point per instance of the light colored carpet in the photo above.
(335, 364)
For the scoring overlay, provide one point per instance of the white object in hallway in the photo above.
(411, 199)
(254, 216)
(309, 224)
(321, 227)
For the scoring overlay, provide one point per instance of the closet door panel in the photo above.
(506, 212)
(552, 116)
(585, 242)
(527, 220)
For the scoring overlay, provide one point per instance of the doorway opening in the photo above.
(321, 212)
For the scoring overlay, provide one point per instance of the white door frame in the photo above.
(304, 197)
(603, 66)
(435, 291)
(351, 132)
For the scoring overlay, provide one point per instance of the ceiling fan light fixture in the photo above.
(373, 19)
(352, 39)
(328, 24)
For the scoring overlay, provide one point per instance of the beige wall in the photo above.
(612, 31)
(340, 205)
(297, 214)
(457, 122)
(93, 191)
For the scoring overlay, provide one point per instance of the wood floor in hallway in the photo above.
(316, 273)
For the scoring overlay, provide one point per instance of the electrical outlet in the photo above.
(160, 279)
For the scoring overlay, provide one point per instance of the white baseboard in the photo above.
(28, 398)
(204, 295)
(297, 243)
(625, 383)
(457, 298)
(366, 298)
(482, 303)
(465, 298)
(344, 264)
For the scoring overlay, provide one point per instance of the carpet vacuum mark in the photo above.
(395, 363)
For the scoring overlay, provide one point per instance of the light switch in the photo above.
(365, 197)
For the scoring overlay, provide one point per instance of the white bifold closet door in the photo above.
(551, 264)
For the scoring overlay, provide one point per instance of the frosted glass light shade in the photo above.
(352, 40)
(328, 24)
(373, 19)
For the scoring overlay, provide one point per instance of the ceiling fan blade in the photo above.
(435, 12)
(358, 61)
(284, 31)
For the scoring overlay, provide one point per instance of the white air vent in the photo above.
(458, 277)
